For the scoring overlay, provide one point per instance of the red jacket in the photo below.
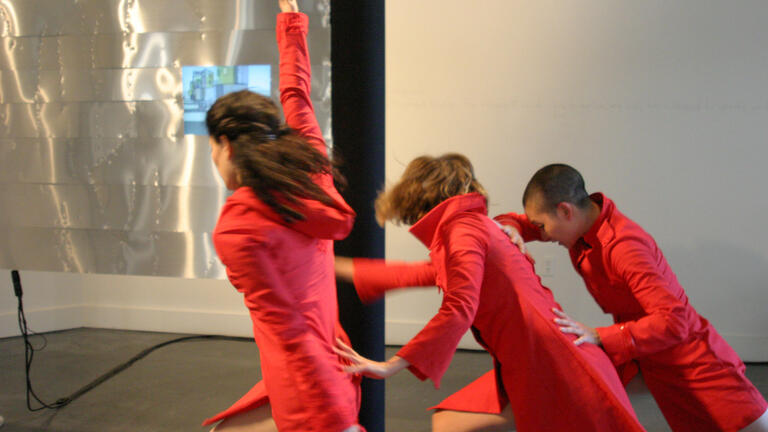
(697, 379)
(490, 288)
(286, 275)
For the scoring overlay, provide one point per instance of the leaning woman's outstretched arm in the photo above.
(373, 278)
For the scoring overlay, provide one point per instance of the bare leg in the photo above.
(257, 420)
(759, 425)
(460, 421)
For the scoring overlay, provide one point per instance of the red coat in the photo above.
(491, 288)
(286, 275)
(696, 378)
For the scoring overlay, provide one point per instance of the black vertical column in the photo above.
(357, 67)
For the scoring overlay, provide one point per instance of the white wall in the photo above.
(52, 301)
(55, 301)
(662, 105)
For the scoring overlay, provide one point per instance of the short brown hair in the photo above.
(426, 182)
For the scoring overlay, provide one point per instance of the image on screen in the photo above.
(202, 85)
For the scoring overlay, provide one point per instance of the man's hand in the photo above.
(369, 368)
(515, 238)
(568, 325)
(288, 5)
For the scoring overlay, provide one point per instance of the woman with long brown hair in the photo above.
(275, 236)
(489, 286)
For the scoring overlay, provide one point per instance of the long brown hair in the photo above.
(270, 158)
(426, 182)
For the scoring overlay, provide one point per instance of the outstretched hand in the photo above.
(367, 367)
(288, 5)
(569, 325)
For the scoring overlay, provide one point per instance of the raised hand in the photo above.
(288, 5)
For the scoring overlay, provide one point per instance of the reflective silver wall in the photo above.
(96, 173)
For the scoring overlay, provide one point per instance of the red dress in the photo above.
(490, 287)
(696, 378)
(286, 275)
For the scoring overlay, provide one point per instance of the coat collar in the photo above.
(425, 228)
(601, 231)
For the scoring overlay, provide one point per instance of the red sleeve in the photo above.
(296, 87)
(296, 78)
(374, 277)
(430, 352)
(253, 271)
(664, 325)
(527, 230)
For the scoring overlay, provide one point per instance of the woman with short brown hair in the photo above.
(490, 287)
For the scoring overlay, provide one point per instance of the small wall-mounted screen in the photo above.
(204, 84)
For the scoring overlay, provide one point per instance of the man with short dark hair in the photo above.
(696, 378)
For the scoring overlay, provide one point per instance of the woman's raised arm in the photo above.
(296, 75)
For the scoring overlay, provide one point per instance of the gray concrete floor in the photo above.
(177, 386)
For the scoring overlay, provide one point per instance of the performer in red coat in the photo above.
(696, 378)
(275, 236)
(490, 288)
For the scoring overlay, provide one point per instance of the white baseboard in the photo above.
(130, 318)
(399, 332)
(170, 320)
(42, 320)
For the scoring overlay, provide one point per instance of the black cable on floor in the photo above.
(116, 370)
(29, 352)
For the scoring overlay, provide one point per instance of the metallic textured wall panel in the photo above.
(96, 173)
(176, 254)
(76, 85)
(133, 208)
(109, 161)
(65, 17)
